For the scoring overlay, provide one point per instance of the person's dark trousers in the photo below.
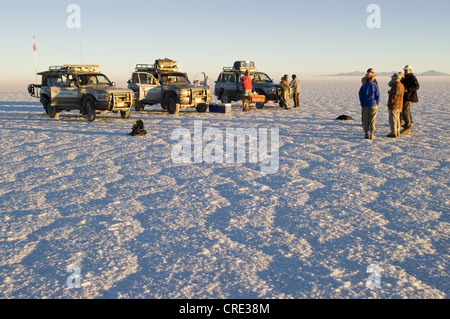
(406, 114)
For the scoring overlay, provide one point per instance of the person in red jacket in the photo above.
(247, 86)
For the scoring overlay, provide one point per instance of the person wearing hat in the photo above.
(395, 104)
(411, 87)
(370, 74)
(369, 96)
(285, 92)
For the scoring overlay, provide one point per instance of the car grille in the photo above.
(199, 93)
(121, 100)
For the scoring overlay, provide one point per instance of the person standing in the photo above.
(295, 86)
(411, 87)
(370, 74)
(247, 86)
(395, 104)
(285, 92)
(369, 97)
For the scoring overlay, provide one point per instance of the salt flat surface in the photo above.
(140, 226)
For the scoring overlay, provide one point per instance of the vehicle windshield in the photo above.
(259, 77)
(93, 79)
(174, 78)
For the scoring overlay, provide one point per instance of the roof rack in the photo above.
(145, 67)
(55, 67)
(82, 68)
(74, 68)
(159, 65)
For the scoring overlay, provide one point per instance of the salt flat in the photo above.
(140, 226)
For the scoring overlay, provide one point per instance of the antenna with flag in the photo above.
(34, 53)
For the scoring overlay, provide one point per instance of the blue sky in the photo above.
(282, 36)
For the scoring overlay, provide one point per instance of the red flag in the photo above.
(34, 46)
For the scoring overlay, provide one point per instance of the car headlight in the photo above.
(103, 96)
(183, 93)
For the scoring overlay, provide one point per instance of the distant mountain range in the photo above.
(428, 73)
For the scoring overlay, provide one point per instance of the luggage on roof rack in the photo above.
(244, 66)
(82, 67)
(74, 68)
(166, 64)
(160, 65)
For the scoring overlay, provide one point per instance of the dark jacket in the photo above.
(369, 95)
(411, 86)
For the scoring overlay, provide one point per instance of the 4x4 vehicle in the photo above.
(229, 84)
(81, 87)
(163, 83)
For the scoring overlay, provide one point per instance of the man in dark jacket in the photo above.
(411, 86)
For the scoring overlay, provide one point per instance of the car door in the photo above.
(151, 88)
(62, 92)
(235, 87)
(68, 92)
(228, 85)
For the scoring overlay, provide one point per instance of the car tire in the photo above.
(53, 111)
(90, 109)
(259, 105)
(225, 97)
(201, 108)
(171, 103)
(125, 114)
(45, 104)
(139, 106)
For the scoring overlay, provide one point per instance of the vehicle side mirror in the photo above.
(113, 83)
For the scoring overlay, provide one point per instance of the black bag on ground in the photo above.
(138, 128)
(345, 118)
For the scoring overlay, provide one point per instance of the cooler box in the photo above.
(258, 98)
(220, 108)
(254, 98)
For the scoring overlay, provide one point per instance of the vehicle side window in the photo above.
(52, 81)
(65, 81)
(83, 80)
(143, 78)
(152, 80)
(225, 77)
(135, 78)
(232, 78)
